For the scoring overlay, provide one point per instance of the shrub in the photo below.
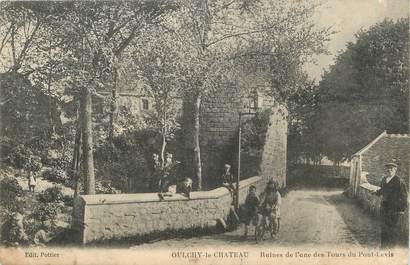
(12, 231)
(43, 212)
(19, 157)
(68, 200)
(31, 226)
(10, 191)
(106, 188)
(51, 195)
(254, 132)
(55, 175)
(34, 164)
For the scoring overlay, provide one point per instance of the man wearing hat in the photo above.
(394, 202)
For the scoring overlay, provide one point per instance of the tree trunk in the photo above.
(164, 144)
(164, 140)
(197, 150)
(77, 152)
(113, 108)
(50, 111)
(13, 47)
(87, 135)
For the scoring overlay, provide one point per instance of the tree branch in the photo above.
(113, 30)
(234, 35)
(3, 42)
(27, 44)
(127, 41)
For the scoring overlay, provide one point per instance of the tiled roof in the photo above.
(370, 144)
(383, 134)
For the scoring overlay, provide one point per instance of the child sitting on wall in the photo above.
(185, 187)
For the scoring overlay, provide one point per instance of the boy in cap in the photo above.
(227, 178)
(251, 209)
(393, 204)
(185, 187)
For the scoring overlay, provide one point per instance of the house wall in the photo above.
(372, 160)
(387, 148)
(355, 173)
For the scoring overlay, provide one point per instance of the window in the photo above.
(145, 104)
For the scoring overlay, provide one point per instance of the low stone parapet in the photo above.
(115, 216)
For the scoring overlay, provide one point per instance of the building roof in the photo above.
(383, 134)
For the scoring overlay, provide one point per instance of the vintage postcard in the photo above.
(204, 132)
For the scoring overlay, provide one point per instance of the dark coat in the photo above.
(252, 204)
(394, 195)
(227, 178)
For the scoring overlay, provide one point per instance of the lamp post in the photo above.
(255, 106)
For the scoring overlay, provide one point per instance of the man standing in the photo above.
(394, 202)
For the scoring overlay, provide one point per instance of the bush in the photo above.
(59, 153)
(254, 132)
(55, 175)
(34, 164)
(12, 231)
(19, 157)
(10, 193)
(68, 200)
(31, 226)
(43, 212)
(51, 195)
(105, 188)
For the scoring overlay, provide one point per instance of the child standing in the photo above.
(270, 206)
(31, 181)
(251, 209)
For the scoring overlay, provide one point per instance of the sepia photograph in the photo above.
(204, 132)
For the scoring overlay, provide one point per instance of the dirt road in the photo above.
(308, 217)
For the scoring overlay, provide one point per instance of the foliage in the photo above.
(23, 109)
(69, 200)
(252, 144)
(10, 194)
(104, 187)
(32, 226)
(253, 134)
(45, 212)
(34, 164)
(12, 230)
(366, 91)
(19, 156)
(55, 175)
(303, 144)
(51, 195)
(57, 151)
(128, 162)
(159, 66)
(190, 49)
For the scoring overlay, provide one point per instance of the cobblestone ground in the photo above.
(308, 218)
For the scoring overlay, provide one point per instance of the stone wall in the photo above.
(371, 203)
(117, 216)
(273, 162)
(219, 133)
(219, 137)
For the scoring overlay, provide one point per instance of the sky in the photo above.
(347, 17)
